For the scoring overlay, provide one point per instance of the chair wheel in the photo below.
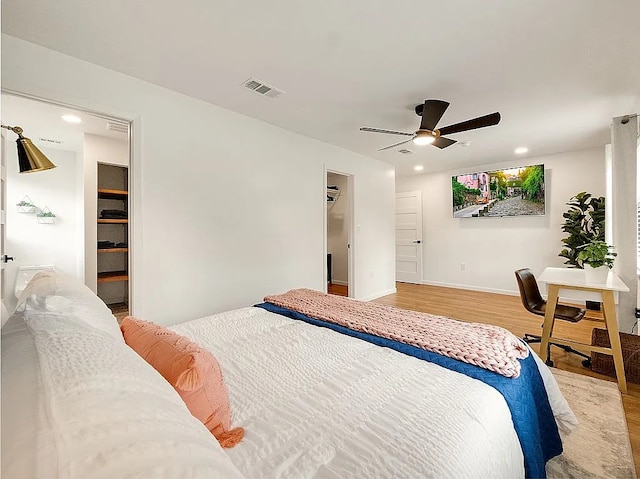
(549, 363)
(586, 363)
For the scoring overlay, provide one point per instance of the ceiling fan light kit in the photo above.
(431, 112)
(424, 138)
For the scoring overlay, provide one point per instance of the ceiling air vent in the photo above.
(261, 88)
(404, 151)
(118, 127)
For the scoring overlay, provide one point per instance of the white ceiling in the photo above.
(557, 71)
(43, 124)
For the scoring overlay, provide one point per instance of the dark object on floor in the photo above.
(593, 305)
(113, 214)
(603, 363)
(122, 245)
(105, 244)
(533, 302)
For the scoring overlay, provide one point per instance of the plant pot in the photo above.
(596, 275)
(26, 205)
(46, 220)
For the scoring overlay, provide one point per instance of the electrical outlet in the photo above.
(463, 267)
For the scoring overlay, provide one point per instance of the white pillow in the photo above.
(78, 404)
(55, 292)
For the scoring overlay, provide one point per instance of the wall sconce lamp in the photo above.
(30, 159)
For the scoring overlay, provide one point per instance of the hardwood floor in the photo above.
(119, 310)
(508, 312)
(338, 289)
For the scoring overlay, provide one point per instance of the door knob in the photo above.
(6, 259)
(418, 241)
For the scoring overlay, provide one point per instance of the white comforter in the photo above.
(319, 404)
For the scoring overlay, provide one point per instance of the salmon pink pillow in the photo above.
(193, 371)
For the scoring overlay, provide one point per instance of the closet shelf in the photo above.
(111, 221)
(332, 195)
(108, 194)
(113, 250)
(110, 276)
(113, 245)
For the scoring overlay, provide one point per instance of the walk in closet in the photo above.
(113, 237)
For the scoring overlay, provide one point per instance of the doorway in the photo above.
(339, 234)
(409, 237)
(77, 142)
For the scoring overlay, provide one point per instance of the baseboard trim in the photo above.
(379, 295)
(472, 288)
(340, 283)
(497, 291)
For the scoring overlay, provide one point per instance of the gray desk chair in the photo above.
(533, 302)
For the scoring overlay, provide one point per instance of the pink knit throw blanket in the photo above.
(490, 347)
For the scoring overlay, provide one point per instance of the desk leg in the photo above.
(611, 320)
(547, 328)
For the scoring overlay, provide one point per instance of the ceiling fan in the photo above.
(431, 112)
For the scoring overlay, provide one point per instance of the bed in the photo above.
(313, 402)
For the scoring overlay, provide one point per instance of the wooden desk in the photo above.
(558, 279)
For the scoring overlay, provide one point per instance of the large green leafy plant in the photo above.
(584, 224)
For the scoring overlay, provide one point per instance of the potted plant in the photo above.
(597, 259)
(46, 216)
(25, 205)
(583, 223)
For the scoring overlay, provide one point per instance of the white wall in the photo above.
(338, 229)
(493, 248)
(110, 151)
(30, 242)
(97, 149)
(226, 208)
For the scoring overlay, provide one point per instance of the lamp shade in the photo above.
(30, 159)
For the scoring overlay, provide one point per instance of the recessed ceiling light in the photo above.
(71, 119)
(521, 150)
(418, 167)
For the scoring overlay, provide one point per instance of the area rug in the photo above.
(599, 447)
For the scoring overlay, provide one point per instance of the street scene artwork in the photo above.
(509, 192)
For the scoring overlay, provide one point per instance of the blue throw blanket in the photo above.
(525, 395)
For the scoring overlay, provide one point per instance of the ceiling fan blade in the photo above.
(432, 112)
(480, 122)
(396, 144)
(389, 132)
(442, 142)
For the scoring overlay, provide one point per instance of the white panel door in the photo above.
(3, 207)
(409, 237)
